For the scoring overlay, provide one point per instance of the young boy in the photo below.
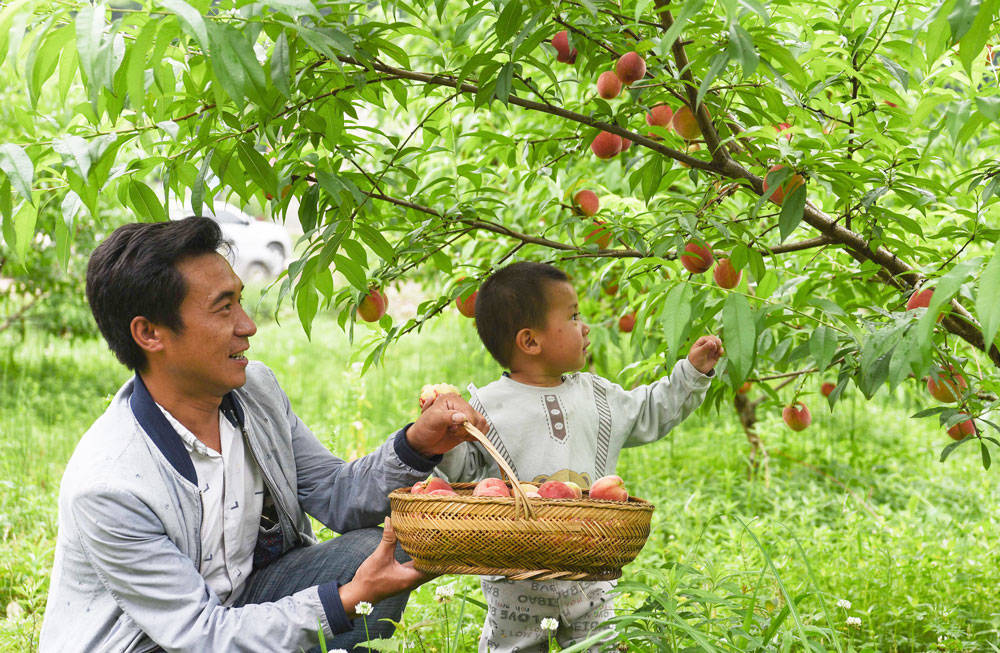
(552, 422)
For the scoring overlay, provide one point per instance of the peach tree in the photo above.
(826, 165)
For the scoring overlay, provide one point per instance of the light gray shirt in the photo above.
(232, 497)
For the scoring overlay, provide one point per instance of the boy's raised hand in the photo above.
(705, 353)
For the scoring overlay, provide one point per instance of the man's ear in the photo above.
(525, 342)
(146, 334)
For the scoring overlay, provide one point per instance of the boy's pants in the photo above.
(515, 610)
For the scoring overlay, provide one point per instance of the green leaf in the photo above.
(947, 451)
(191, 20)
(961, 18)
(23, 231)
(896, 70)
(353, 272)
(281, 66)
(198, 187)
(823, 345)
(135, 67)
(504, 81)
(306, 304)
(508, 21)
(257, 167)
(18, 167)
(71, 205)
(89, 32)
(681, 18)
(989, 107)
(740, 336)
(5, 201)
(971, 45)
(944, 290)
(146, 205)
(741, 48)
(792, 209)
(719, 62)
(988, 297)
(676, 316)
(226, 61)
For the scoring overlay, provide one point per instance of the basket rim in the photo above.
(404, 494)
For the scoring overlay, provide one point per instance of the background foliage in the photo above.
(437, 140)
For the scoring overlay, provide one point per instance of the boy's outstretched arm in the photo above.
(705, 353)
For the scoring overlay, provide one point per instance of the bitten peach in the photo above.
(431, 391)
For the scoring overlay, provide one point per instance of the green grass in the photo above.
(731, 564)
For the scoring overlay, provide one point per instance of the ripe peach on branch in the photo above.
(373, 305)
(796, 416)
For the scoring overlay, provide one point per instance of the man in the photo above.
(183, 511)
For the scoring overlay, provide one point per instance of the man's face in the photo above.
(564, 339)
(206, 357)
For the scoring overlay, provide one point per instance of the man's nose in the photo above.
(586, 328)
(245, 326)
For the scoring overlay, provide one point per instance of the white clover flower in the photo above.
(548, 623)
(844, 603)
(363, 608)
(854, 621)
(444, 593)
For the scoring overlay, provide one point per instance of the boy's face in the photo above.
(563, 340)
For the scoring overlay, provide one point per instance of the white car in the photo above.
(260, 249)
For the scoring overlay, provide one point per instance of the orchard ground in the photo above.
(858, 510)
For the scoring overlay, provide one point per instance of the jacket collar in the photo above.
(163, 435)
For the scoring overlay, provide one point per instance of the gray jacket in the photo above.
(125, 576)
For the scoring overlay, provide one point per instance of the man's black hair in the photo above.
(134, 272)
(511, 299)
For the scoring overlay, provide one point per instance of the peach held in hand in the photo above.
(609, 488)
(430, 392)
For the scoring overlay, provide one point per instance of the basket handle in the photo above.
(521, 504)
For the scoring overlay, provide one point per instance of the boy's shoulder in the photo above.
(505, 384)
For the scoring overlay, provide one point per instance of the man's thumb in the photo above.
(388, 534)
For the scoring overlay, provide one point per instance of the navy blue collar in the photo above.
(163, 435)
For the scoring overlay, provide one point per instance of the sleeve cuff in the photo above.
(691, 372)
(336, 616)
(410, 456)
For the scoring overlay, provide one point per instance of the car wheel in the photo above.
(278, 250)
(257, 273)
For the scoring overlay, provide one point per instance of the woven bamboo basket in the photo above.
(519, 537)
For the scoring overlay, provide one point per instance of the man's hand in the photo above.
(440, 427)
(705, 353)
(381, 575)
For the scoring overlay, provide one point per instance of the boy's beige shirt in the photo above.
(573, 431)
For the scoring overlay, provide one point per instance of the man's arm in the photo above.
(160, 589)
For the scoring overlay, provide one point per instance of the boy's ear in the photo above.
(526, 343)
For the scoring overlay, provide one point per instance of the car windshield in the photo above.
(225, 217)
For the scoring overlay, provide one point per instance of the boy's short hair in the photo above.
(134, 272)
(511, 299)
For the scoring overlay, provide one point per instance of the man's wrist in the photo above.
(410, 455)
